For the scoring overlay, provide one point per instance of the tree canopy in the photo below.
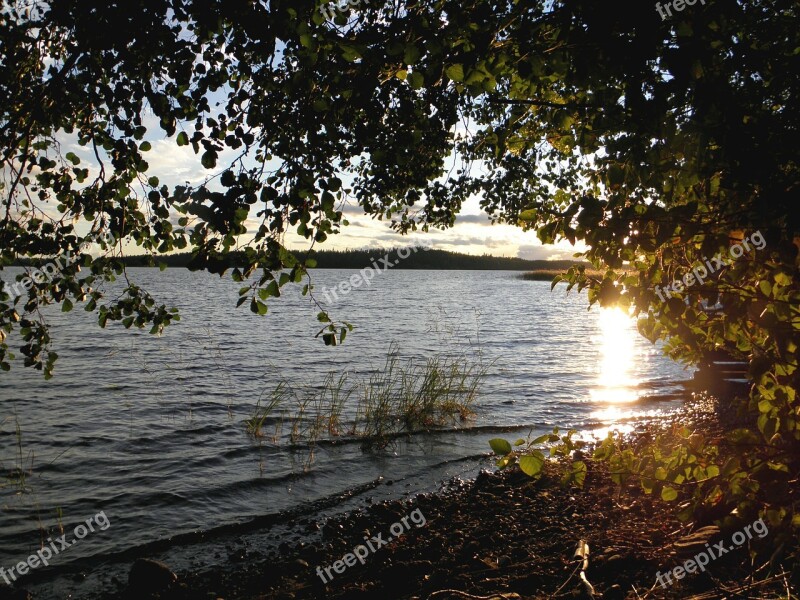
(651, 140)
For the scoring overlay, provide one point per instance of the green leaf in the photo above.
(73, 158)
(350, 54)
(273, 290)
(411, 54)
(145, 146)
(783, 278)
(455, 72)
(258, 308)
(67, 306)
(531, 464)
(209, 159)
(579, 470)
(183, 139)
(500, 446)
(668, 494)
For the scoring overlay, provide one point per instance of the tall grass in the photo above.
(255, 424)
(405, 396)
(17, 475)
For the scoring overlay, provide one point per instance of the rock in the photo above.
(150, 577)
(696, 541)
(613, 560)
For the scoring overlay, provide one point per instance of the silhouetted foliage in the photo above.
(649, 140)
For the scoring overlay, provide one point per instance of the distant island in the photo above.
(361, 259)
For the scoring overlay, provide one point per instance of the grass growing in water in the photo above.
(405, 396)
(255, 424)
(17, 476)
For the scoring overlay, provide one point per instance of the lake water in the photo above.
(150, 430)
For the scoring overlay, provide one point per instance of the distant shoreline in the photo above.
(550, 274)
(431, 260)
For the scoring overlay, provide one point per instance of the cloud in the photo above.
(481, 242)
(482, 219)
(175, 165)
(352, 209)
(537, 252)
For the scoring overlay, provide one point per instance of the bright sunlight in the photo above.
(615, 383)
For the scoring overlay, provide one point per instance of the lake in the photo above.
(150, 430)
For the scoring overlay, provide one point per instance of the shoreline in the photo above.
(496, 535)
(499, 536)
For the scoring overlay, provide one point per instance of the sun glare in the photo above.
(615, 383)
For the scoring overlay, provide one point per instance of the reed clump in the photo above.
(405, 396)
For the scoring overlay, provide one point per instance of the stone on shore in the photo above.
(150, 577)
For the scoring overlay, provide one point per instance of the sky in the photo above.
(472, 234)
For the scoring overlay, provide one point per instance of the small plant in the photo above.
(330, 403)
(402, 397)
(405, 398)
(378, 418)
(17, 476)
(255, 424)
(530, 454)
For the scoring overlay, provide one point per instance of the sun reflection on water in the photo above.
(615, 382)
